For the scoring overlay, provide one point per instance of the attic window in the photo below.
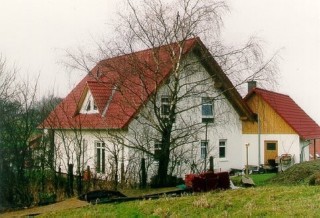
(89, 106)
(207, 110)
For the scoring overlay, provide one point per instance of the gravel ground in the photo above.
(63, 205)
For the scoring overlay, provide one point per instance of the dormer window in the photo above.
(89, 106)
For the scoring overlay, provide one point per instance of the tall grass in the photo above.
(279, 201)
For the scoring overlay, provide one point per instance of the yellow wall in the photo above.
(270, 121)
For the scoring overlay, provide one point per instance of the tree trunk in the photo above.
(163, 170)
(143, 183)
(115, 183)
(164, 159)
(70, 180)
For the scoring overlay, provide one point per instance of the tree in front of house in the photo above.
(159, 26)
(161, 82)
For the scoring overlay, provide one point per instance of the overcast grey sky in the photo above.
(34, 33)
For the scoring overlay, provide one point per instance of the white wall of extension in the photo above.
(287, 144)
(68, 143)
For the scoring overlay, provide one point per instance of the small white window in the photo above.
(165, 105)
(89, 105)
(207, 110)
(204, 147)
(222, 148)
(100, 157)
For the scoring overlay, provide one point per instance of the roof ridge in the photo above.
(147, 49)
(274, 92)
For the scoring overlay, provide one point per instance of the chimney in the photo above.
(251, 85)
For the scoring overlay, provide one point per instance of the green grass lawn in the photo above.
(284, 194)
(258, 179)
(270, 201)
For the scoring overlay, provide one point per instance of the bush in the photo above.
(315, 179)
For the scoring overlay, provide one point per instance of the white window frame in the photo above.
(204, 149)
(207, 102)
(100, 157)
(165, 105)
(224, 147)
(89, 106)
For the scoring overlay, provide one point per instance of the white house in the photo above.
(112, 118)
(111, 113)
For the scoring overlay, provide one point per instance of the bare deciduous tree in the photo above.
(18, 122)
(165, 28)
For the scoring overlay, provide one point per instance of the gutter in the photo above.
(259, 141)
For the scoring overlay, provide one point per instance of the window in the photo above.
(100, 157)
(204, 148)
(84, 151)
(157, 149)
(222, 148)
(271, 146)
(89, 105)
(207, 110)
(165, 105)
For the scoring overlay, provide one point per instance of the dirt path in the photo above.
(63, 205)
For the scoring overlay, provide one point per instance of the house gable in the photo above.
(270, 121)
(283, 113)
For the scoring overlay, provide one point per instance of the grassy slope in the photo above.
(297, 174)
(278, 198)
(270, 201)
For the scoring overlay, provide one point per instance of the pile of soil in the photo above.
(297, 174)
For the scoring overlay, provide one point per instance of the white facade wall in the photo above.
(226, 126)
(68, 143)
(287, 144)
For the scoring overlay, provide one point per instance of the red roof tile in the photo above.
(296, 117)
(118, 80)
(121, 85)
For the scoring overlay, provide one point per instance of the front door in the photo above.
(270, 151)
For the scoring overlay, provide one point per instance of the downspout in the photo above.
(259, 141)
(206, 141)
(314, 150)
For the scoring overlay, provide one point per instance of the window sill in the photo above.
(223, 160)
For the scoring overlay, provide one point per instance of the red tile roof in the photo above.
(121, 85)
(296, 117)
